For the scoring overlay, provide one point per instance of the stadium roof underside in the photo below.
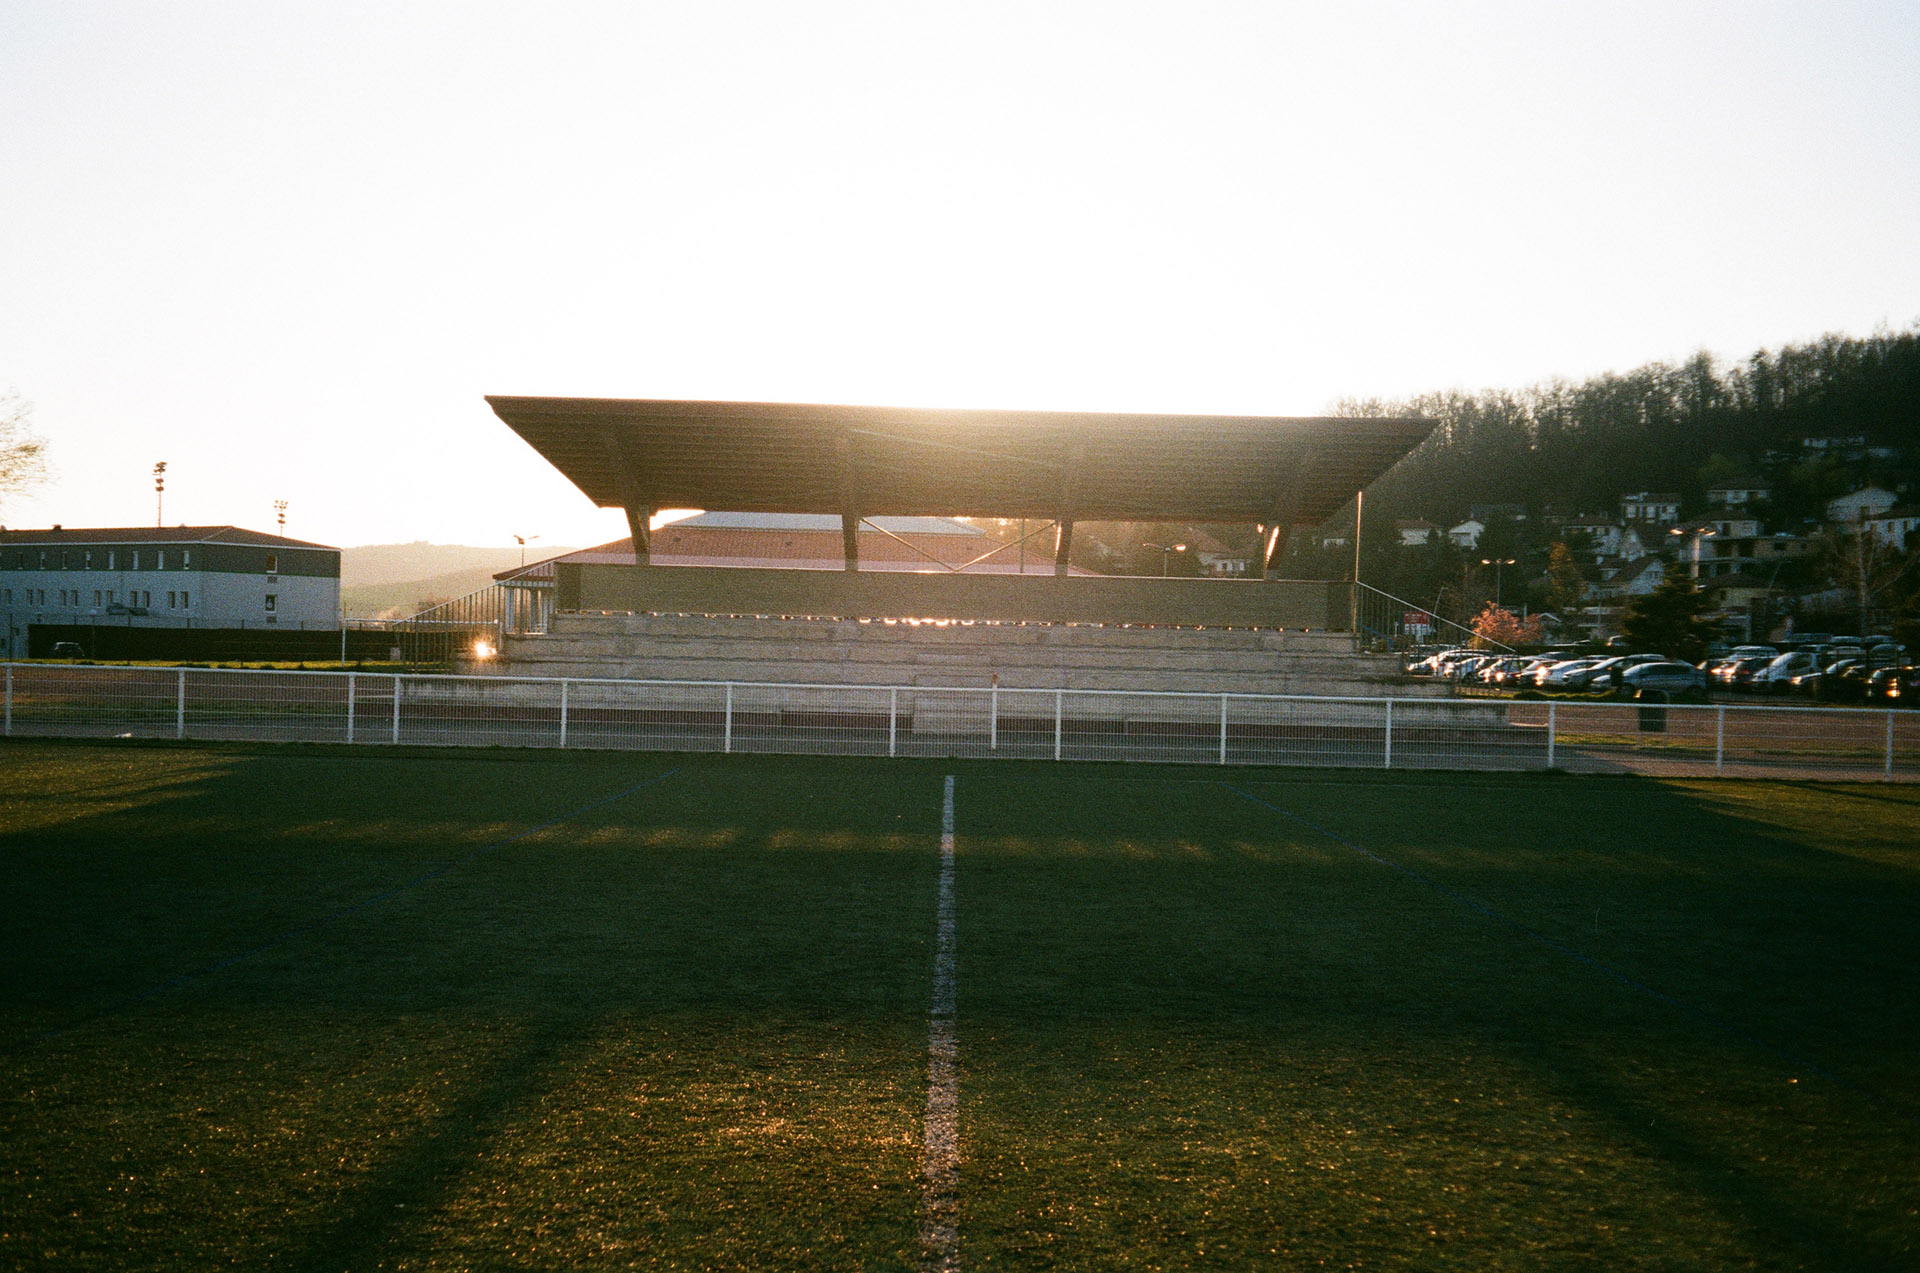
(1063, 467)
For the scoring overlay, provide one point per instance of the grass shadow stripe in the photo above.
(312, 925)
(1693, 1012)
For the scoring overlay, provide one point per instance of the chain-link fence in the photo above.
(53, 700)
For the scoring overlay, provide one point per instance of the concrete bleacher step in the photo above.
(1016, 656)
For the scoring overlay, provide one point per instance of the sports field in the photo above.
(275, 1007)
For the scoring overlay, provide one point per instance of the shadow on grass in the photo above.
(385, 1208)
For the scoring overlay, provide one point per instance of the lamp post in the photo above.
(1165, 549)
(523, 541)
(1497, 563)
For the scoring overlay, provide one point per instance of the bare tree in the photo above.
(23, 453)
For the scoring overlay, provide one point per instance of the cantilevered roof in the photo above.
(904, 461)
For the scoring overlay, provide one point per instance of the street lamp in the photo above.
(523, 541)
(1165, 549)
(1497, 563)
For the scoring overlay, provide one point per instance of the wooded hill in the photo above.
(1576, 448)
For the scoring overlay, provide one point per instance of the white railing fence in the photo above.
(57, 700)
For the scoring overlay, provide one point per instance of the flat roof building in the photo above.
(178, 576)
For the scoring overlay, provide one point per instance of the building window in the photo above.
(96, 598)
(183, 601)
(110, 555)
(160, 559)
(173, 602)
(273, 563)
(186, 559)
(271, 599)
(86, 560)
(136, 560)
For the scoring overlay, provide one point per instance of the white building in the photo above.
(1894, 526)
(1467, 534)
(172, 577)
(1661, 507)
(1733, 497)
(1868, 501)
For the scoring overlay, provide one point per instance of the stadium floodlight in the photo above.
(1497, 563)
(159, 492)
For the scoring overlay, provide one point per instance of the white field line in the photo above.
(940, 1152)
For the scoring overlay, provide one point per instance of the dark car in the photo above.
(1843, 681)
(1895, 686)
(66, 650)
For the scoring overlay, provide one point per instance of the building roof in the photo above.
(899, 461)
(160, 535)
(822, 521)
(804, 541)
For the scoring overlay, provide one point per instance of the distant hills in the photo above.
(394, 580)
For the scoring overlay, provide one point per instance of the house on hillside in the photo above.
(1217, 559)
(1659, 507)
(1733, 497)
(1601, 533)
(1630, 579)
(1467, 534)
(1855, 506)
(1895, 525)
(1415, 532)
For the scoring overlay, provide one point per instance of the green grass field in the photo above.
(294, 1008)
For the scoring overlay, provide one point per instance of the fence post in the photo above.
(726, 737)
(1059, 705)
(1388, 763)
(353, 695)
(180, 706)
(993, 717)
(1889, 744)
(893, 717)
(563, 710)
(1720, 739)
(1551, 709)
(1223, 729)
(396, 709)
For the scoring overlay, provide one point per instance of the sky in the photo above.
(287, 248)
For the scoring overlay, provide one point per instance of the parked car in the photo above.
(66, 650)
(1667, 676)
(1554, 677)
(1737, 674)
(1842, 681)
(1895, 686)
(1775, 676)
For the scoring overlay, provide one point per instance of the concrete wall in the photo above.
(1021, 656)
(1212, 603)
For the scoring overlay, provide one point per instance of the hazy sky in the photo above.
(286, 248)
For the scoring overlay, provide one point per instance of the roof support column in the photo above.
(1286, 511)
(638, 507)
(638, 518)
(1069, 496)
(849, 504)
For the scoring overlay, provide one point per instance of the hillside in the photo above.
(394, 580)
